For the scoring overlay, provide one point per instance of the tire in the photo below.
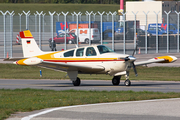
(87, 41)
(127, 83)
(77, 82)
(116, 80)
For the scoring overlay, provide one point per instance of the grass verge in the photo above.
(23, 100)
(18, 8)
(11, 71)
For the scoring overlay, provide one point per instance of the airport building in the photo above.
(155, 11)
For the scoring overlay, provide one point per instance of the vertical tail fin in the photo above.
(29, 45)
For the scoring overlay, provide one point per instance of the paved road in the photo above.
(161, 86)
(135, 110)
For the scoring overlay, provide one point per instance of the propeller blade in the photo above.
(134, 68)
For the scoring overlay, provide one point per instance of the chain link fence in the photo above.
(90, 28)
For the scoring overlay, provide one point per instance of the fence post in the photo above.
(101, 14)
(146, 32)
(94, 14)
(157, 31)
(124, 32)
(26, 18)
(52, 43)
(178, 30)
(4, 16)
(113, 29)
(35, 25)
(72, 16)
(65, 14)
(11, 31)
(58, 15)
(43, 24)
(89, 25)
(20, 21)
(80, 16)
(77, 14)
(108, 16)
(167, 30)
(135, 37)
(40, 46)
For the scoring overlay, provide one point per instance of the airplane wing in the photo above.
(70, 66)
(162, 59)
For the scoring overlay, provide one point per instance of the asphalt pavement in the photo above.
(162, 109)
(99, 85)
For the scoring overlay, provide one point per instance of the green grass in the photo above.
(11, 71)
(18, 8)
(23, 100)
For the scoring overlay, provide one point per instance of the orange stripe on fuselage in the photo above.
(81, 60)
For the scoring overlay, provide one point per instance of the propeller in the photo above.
(132, 59)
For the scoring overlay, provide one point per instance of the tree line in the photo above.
(67, 1)
(72, 1)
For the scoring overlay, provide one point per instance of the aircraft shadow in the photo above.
(134, 84)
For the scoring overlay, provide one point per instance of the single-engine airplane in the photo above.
(94, 59)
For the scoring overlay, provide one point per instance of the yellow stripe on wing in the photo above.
(168, 59)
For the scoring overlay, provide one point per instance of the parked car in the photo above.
(70, 39)
(130, 34)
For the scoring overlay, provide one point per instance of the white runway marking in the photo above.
(60, 108)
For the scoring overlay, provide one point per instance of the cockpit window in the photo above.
(90, 51)
(69, 53)
(104, 49)
(80, 52)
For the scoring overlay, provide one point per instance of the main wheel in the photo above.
(116, 80)
(77, 82)
(127, 82)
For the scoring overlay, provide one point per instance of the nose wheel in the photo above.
(127, 82)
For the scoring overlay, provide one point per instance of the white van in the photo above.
(84, 34)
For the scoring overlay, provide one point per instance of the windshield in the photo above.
(104, 49)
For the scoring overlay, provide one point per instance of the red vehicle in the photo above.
(70, 39)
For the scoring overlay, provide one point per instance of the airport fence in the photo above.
(122, 33)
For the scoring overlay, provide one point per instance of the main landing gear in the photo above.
(77, 82)
(116, 80)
